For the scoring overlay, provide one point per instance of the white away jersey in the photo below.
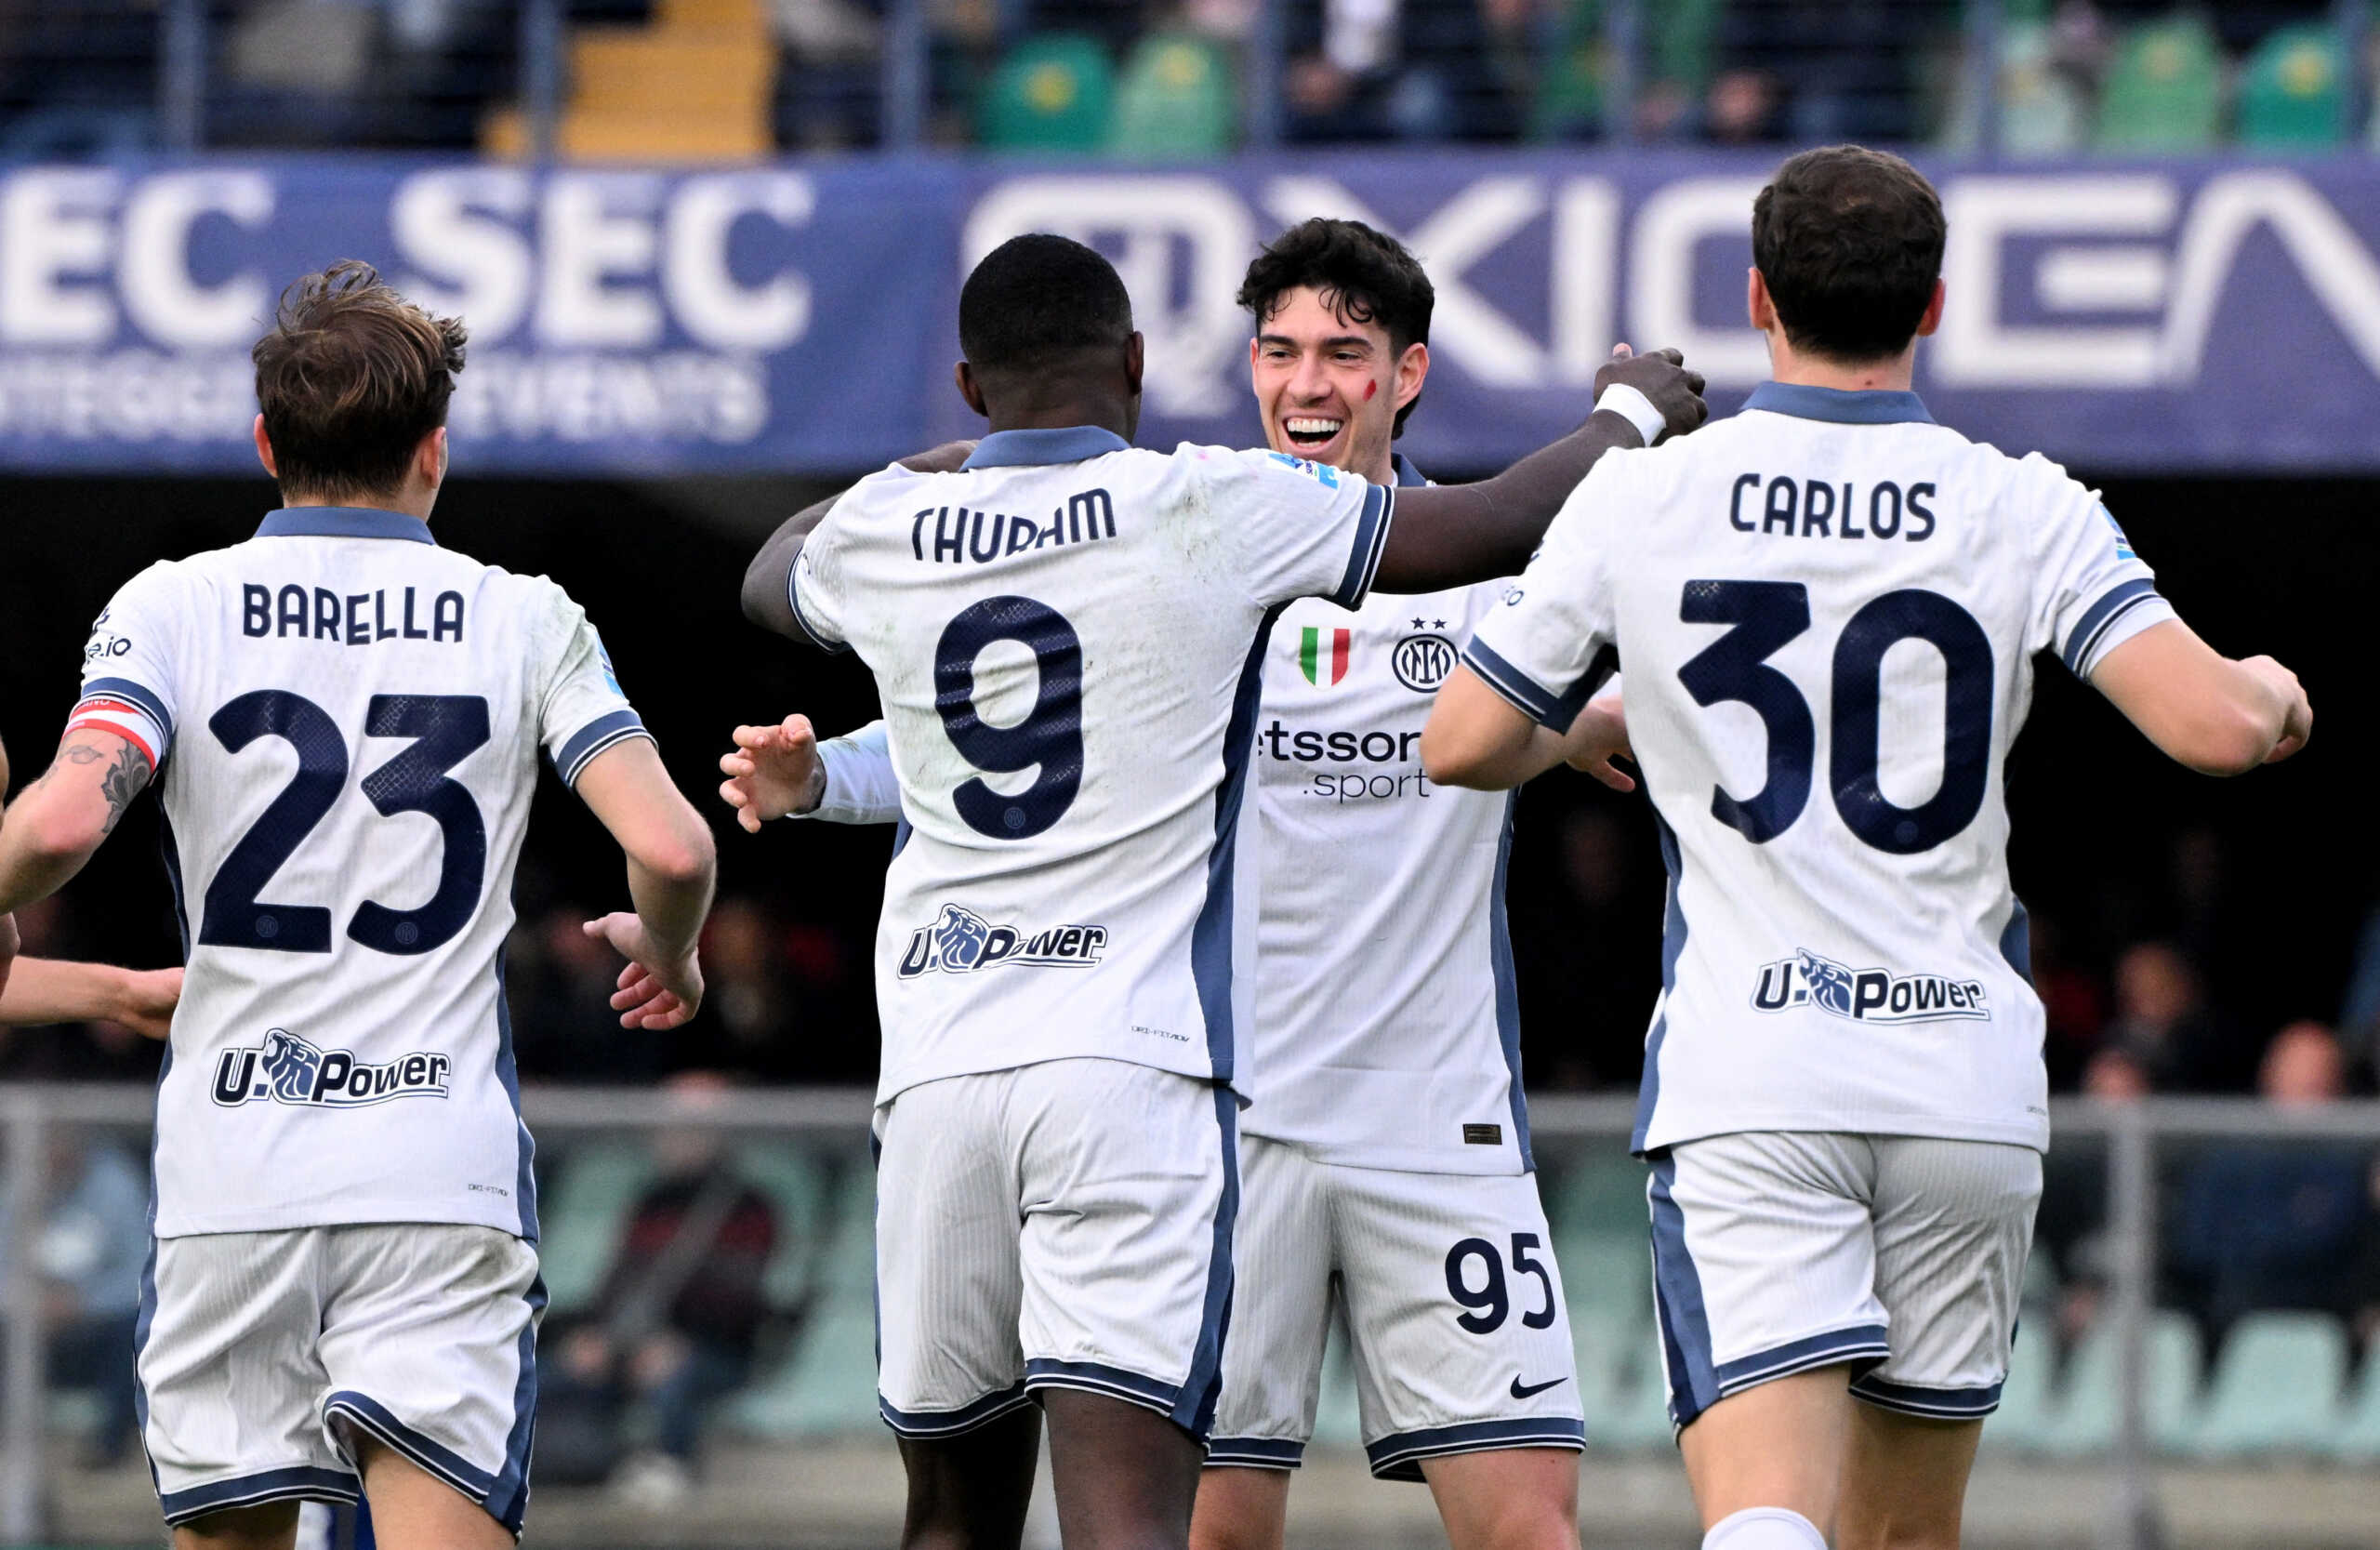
(1829, 606)
(1067, 638)
(348, 719)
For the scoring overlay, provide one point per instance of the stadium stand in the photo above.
(2165, 90)
(1175, 101)
(1052, 93)
(2293, 92)
(2276, 1388)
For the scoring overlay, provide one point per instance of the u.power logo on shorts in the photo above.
(290, 1070)
(1866, 994)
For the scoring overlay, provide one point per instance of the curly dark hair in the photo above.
(1361, 274)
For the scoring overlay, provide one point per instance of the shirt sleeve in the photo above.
(1303, 529)
(813, 589)
(584, 710)
(1551, 643)
(861, 787)
(2092, 593)
(127, 664)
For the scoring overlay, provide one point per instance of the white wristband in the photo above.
(1635, 408)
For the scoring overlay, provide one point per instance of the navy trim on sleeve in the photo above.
(124, 688)
(1533, 700)
(2113, 604)
(593, 738)
(793, 601)
(1371, 539)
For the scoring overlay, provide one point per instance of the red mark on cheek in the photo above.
(1369, 390)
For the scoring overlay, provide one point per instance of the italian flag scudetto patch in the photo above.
(1322, 655)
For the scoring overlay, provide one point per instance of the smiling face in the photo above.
(1329, 386)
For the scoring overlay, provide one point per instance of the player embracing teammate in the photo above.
(1386, 1168)
(1829, 607)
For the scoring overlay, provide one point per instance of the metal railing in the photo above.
(2134, 1137)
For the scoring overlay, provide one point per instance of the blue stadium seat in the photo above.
(2027, 1420)
(827, 1385)
(2093, 1394)
(2276, 1387)
(583, 1212)
(2357, 1439)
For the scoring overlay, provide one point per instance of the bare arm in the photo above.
(45, 991)
(2217, 716)
(1452, 536)
(766, 603)
(672, 867)
(1476, 737)
(57, 824)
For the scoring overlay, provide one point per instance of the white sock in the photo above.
(1764, 1529)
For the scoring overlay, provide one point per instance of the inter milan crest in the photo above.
(1422, 662)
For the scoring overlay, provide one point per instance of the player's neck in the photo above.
(1064, 416)
(412, 502)
(1895, 374)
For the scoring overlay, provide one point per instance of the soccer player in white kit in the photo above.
(1829, 606)
(1069, 638)
(1385, 1164)
(345, 720)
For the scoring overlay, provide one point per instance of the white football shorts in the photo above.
(1064, 1225)
(259, 1353)
(1452, 1299)
(1776, 1253)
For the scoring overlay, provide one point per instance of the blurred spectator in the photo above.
(2359, 1012)
(829, 75)
(674, 1326)
(88, 1255)
(2164, 1025)
(1392, 70)
(748, 1014)
(2075, 1004)
(2071, 1224)
(2276, 1224)
(1818, 71)
(1585, 930)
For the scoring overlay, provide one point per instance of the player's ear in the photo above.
(971, 390)
(1133, 363)
(429, 458)
(1933, 318)
(264, 451)
(1758, 304)
(1412, 370)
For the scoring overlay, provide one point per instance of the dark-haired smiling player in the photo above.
(1384, 1163)
(1070, 636)
(1829, 607)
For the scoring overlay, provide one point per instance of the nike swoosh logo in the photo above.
(1519, 1392)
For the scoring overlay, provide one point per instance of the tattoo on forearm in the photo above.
(125, 780)
(126, 777)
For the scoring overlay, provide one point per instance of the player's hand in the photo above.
(146, 1000)
(2297, 722)
(1662, 377)
(657, 991)
(1599, 735)
(774, 771)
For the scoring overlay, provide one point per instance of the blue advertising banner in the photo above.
(801, 317)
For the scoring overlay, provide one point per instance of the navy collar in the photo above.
(1406, 472)
(1878, 406)
(1071, 444)
(344, 522)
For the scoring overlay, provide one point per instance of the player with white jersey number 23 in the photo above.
(1830, 606)
(344, 720)
(1069, 636)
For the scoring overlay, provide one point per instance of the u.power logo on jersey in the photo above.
(290, 1070)
(1866, 994)
(961, 941)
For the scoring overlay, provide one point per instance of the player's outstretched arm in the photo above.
(58, 822)
(1455, 535)
(784, 771)
(46, 991)
(764, 596)
(1476, 737)
(672, 868)
(2218, 716)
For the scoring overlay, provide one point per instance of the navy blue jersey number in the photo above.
(445, 728)
(1050, 737)
(1767, 614)
(1734, 667)
(1490, 1303)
